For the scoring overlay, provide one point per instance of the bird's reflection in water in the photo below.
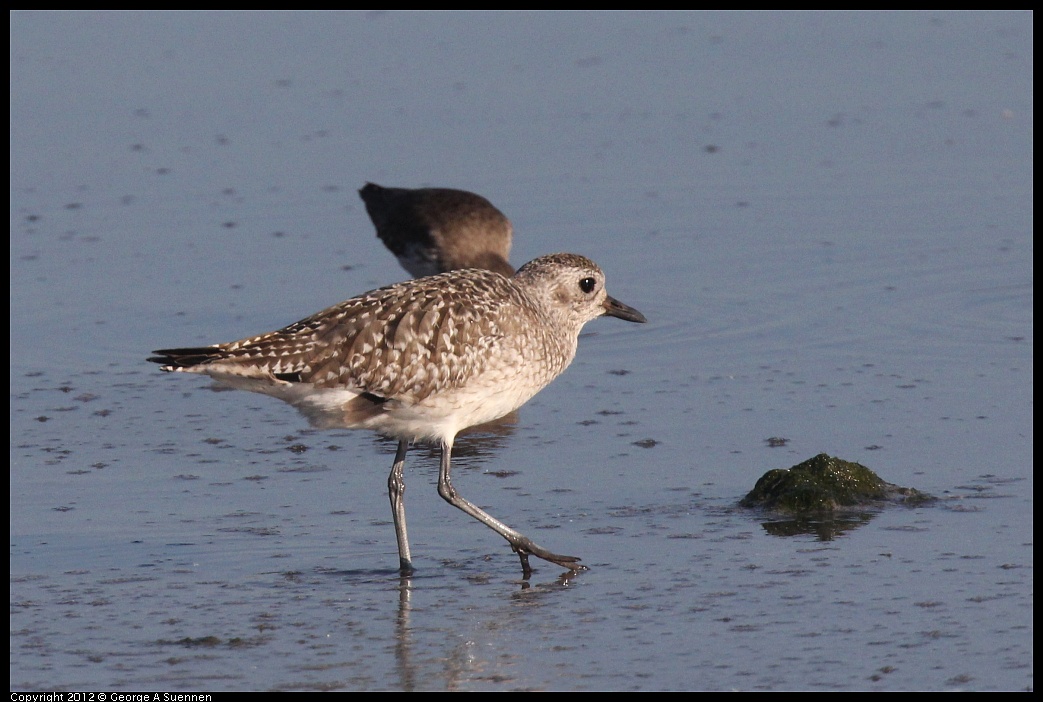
(460, 663)
(475, 445)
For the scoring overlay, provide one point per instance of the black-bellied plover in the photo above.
(422, 360)
(434, 230)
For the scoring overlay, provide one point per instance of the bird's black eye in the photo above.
(587, 285)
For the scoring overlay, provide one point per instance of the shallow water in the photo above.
(826, 218)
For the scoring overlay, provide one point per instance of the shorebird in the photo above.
(422, 360)
(434, 230)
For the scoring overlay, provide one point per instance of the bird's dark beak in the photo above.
(615, 308)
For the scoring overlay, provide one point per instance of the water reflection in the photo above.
(407, 673)
(821, 529)
(463, 660)
(478, 444)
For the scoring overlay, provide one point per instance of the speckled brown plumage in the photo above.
(423, 359)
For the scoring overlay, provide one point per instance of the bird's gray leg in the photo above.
(396, 490)
(522, 545)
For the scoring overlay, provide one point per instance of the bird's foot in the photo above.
(526, 547)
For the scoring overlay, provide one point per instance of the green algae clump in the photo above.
(823, 485)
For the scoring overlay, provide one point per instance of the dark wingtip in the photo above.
(183, 358)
